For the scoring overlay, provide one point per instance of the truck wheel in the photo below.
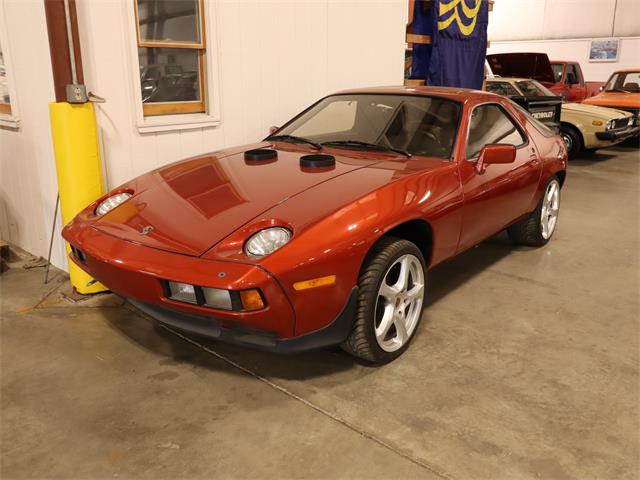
(572, 140)
(390, 300)
(536, 229)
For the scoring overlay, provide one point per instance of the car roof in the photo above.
(458, 94)
(628, 70)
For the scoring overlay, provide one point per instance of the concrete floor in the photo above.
(526, 365)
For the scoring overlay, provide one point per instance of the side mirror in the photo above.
(273, 130)
(495, 153)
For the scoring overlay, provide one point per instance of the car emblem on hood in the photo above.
(146, 230)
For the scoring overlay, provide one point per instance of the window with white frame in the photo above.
(5, 99)
(171, 56)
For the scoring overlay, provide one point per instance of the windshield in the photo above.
(419, 125)
(557, 71)
(624, 82)
(533, 88)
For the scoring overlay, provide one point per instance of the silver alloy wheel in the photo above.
(399, 303)
(568, 141)
(550, 208)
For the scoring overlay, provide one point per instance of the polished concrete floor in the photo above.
(526, 365)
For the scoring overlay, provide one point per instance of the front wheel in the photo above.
(572, 140)
(536, 229)
(390, 301)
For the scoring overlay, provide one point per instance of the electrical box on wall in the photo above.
(76, 94)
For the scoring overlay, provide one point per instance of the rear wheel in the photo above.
(390, 301)
(536, 229)
(572, 140)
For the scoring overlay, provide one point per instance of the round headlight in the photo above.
(267, 241)
(112, 202)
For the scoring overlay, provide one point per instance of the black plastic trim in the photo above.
(333, 334)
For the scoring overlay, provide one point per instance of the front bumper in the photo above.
(333, 334)
(618, 134)
(137, 272)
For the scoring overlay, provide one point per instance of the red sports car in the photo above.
(322, 234)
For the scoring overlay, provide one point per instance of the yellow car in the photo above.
(581, 126)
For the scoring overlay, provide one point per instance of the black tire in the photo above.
(529, 230)
(362, 342)
(572, 139)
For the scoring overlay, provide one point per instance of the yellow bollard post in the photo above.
(79, 171)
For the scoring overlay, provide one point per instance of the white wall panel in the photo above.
(275, 58)
(517, 20)
(513, 20)
(627, 21)
(578, 18)
(28, 185)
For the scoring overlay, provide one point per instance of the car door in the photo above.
(574, 81)
(496, 195)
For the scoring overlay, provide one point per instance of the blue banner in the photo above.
(423, 24)
(459, 43)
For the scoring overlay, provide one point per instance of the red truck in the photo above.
(562, 78)
(569, 82)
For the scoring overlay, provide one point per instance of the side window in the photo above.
(573, 75)
(5, 101)
(490, 124)
(557, 71)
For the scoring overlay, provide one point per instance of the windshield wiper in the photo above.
(358, 143)
(293, 138)
(619, 90)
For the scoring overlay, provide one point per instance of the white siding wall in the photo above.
(275, 58)
(28, 184)
(513, 20)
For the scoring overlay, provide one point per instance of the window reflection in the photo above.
(4, 84)
(169, 21)
(169, 74)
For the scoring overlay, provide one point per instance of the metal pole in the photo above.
(72, 52)
(53, 231)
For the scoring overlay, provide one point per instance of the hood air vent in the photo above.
(317, 161)
(260, 155)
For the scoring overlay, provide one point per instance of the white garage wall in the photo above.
(513, 20)
(275, 58)
(28, 185)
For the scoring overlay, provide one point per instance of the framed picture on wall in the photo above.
(604, 50)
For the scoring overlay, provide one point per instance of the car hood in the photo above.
(526, 65)
(615, 100)
(594, 111)
(192, 205)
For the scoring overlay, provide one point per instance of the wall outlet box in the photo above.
(77, 94)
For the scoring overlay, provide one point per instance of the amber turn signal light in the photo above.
(251, 300)
(315, 282)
